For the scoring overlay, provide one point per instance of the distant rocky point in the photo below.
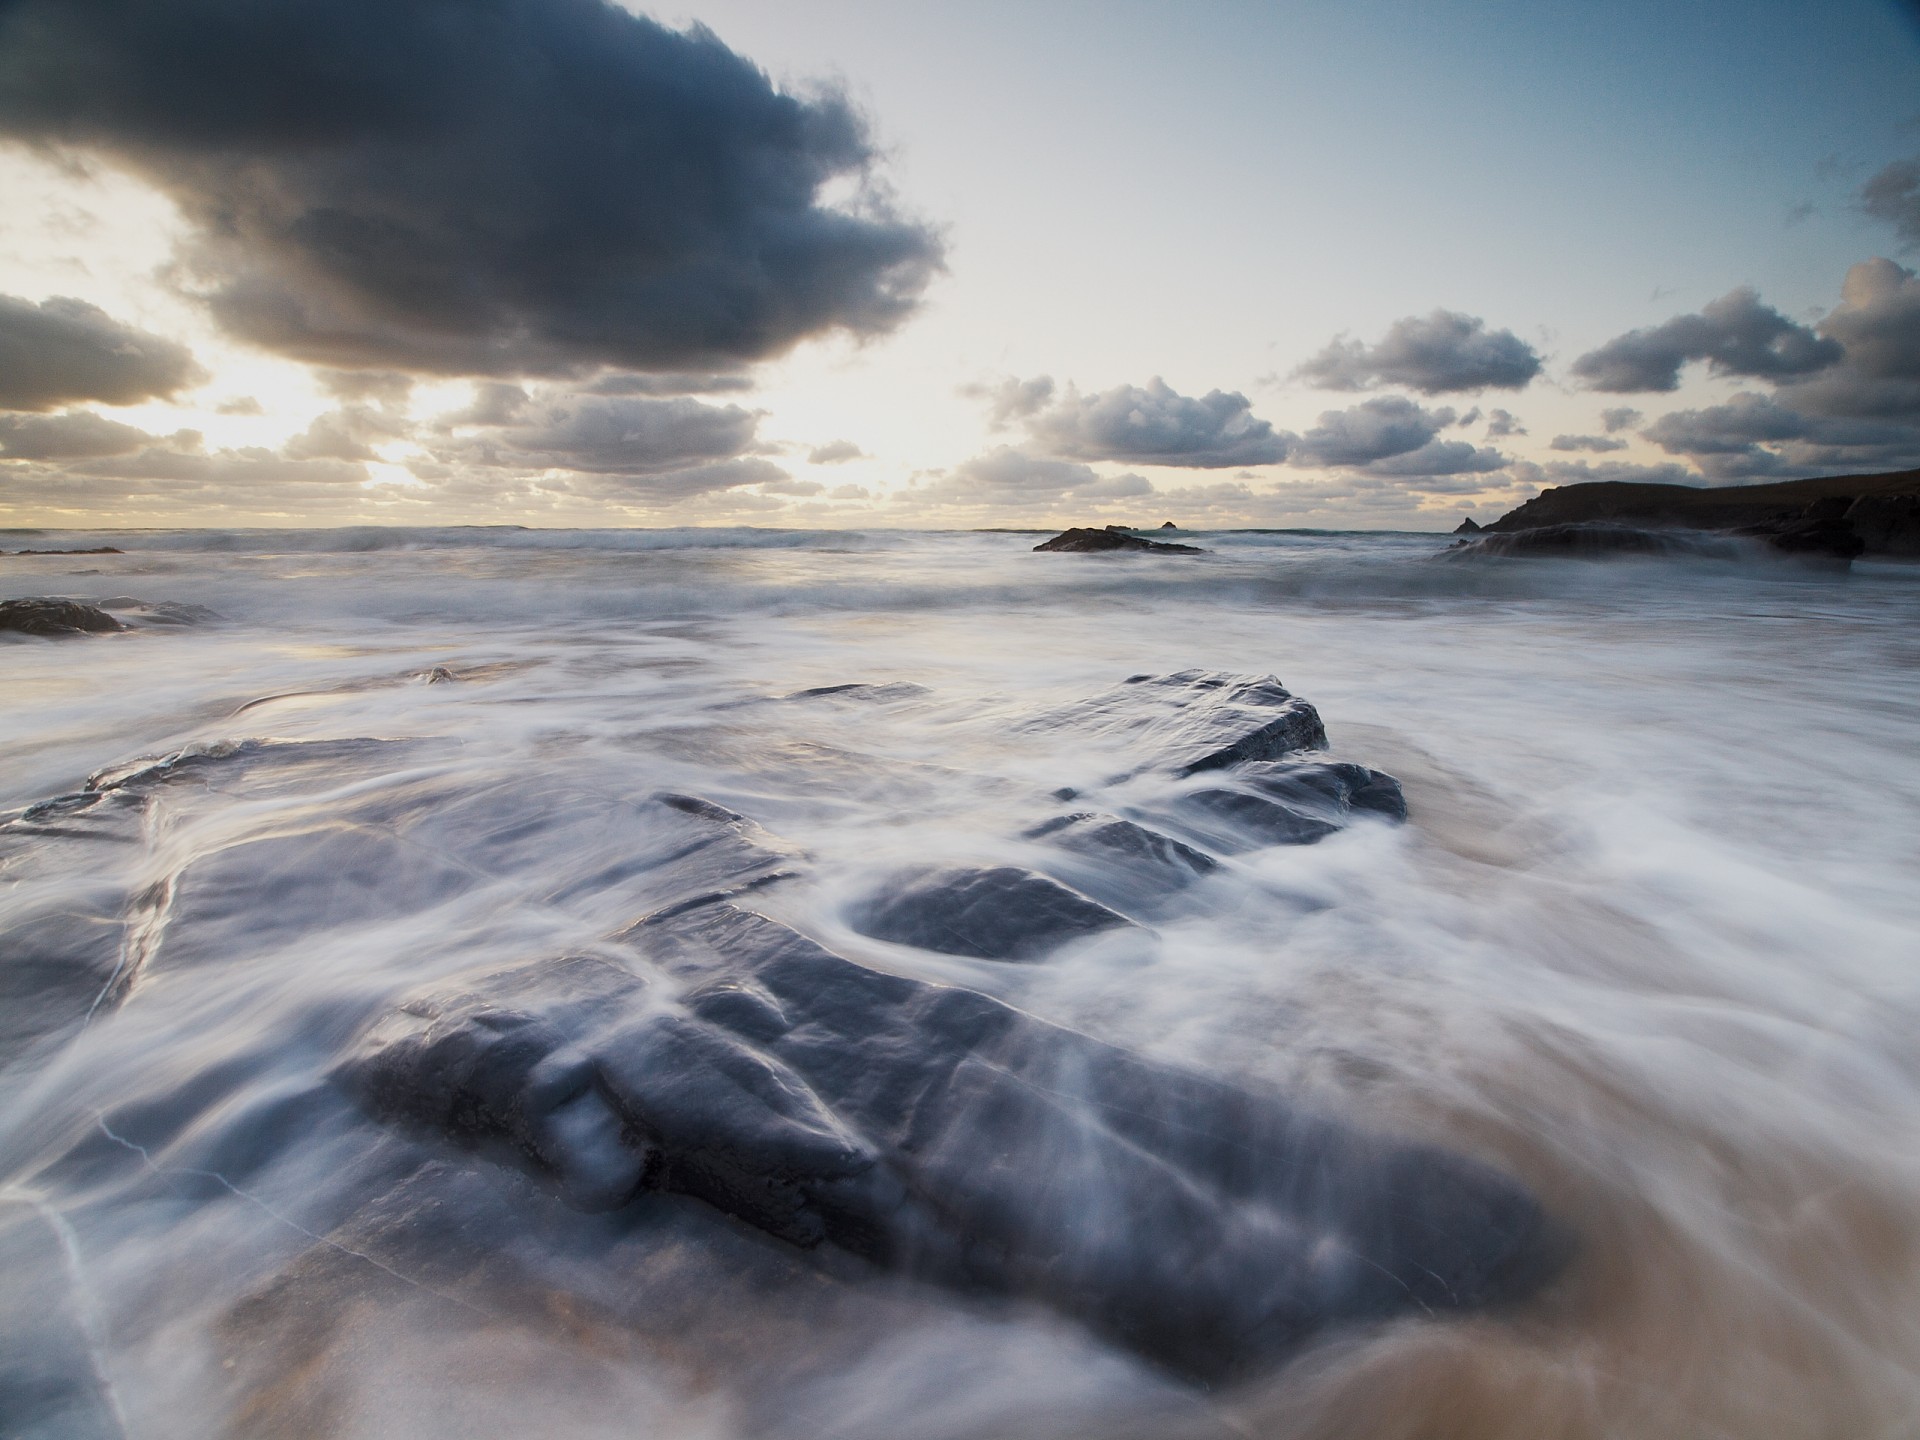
(1084, 540)
(1831, 517)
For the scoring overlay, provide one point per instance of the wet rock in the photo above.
(1593, 541)
(1466, 527)
(1195, 720)
(938, 1133)
(1001, 913)
(1887, 524)
(1085, 541)
(90, 550)
(52, 1386)
(1331, 788)
(1168, 525)
(46, 615)
(1227, 816)
(896, 690)
(1142, 859)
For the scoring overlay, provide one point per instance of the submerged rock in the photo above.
(1148, 862)
(938, 1133)
(1000, 913)
(1086, 541)
(50, 616)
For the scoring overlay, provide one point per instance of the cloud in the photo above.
(1877, 324)
(347, 433)
(75, 435)
(1596, 443)
(1620, 417)
(1893, 195)
(1582, 472)
(516, 187)
(1438, 354)
(62, 351)
(1155, 425)
(1373, 430)
(1736, 335)
(835, 452)
(1753, 436)
(1502, 423)
(613, 436)
(1009, 477)
(1012, 399)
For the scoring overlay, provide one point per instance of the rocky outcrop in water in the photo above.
(1833, 517)
(1087, 541)
(1594, 541)
(51, 617)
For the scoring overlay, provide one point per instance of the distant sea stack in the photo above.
(1084, 540)
(1836, 515)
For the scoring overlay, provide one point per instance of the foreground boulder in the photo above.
(1086, 541)
(50, 616)
(1195, 720)
(937, 1133)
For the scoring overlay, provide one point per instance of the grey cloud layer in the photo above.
(63, 351)
(1860, 412)
(1736, 335)
(1438, 354)
(1392, 435)
(475, 186)
(1145, 425)
(1893, 195)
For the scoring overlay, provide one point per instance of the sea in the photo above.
(1649, 942)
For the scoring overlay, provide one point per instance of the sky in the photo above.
(1375, 264)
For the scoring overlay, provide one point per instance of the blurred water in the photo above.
(1649, 943)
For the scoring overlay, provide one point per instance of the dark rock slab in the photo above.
(51, 616)
(938, 1133)
(1467, 526)
(998, 913)
(1194, 720)
(90, 550)
(1086, 541)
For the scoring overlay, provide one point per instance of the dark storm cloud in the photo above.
(475, 186)
(1438, 354)
(1736, 335)
(1893, 195)
(1753, 436)
(1155, 425)
(1595, 443)
(62, 351)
